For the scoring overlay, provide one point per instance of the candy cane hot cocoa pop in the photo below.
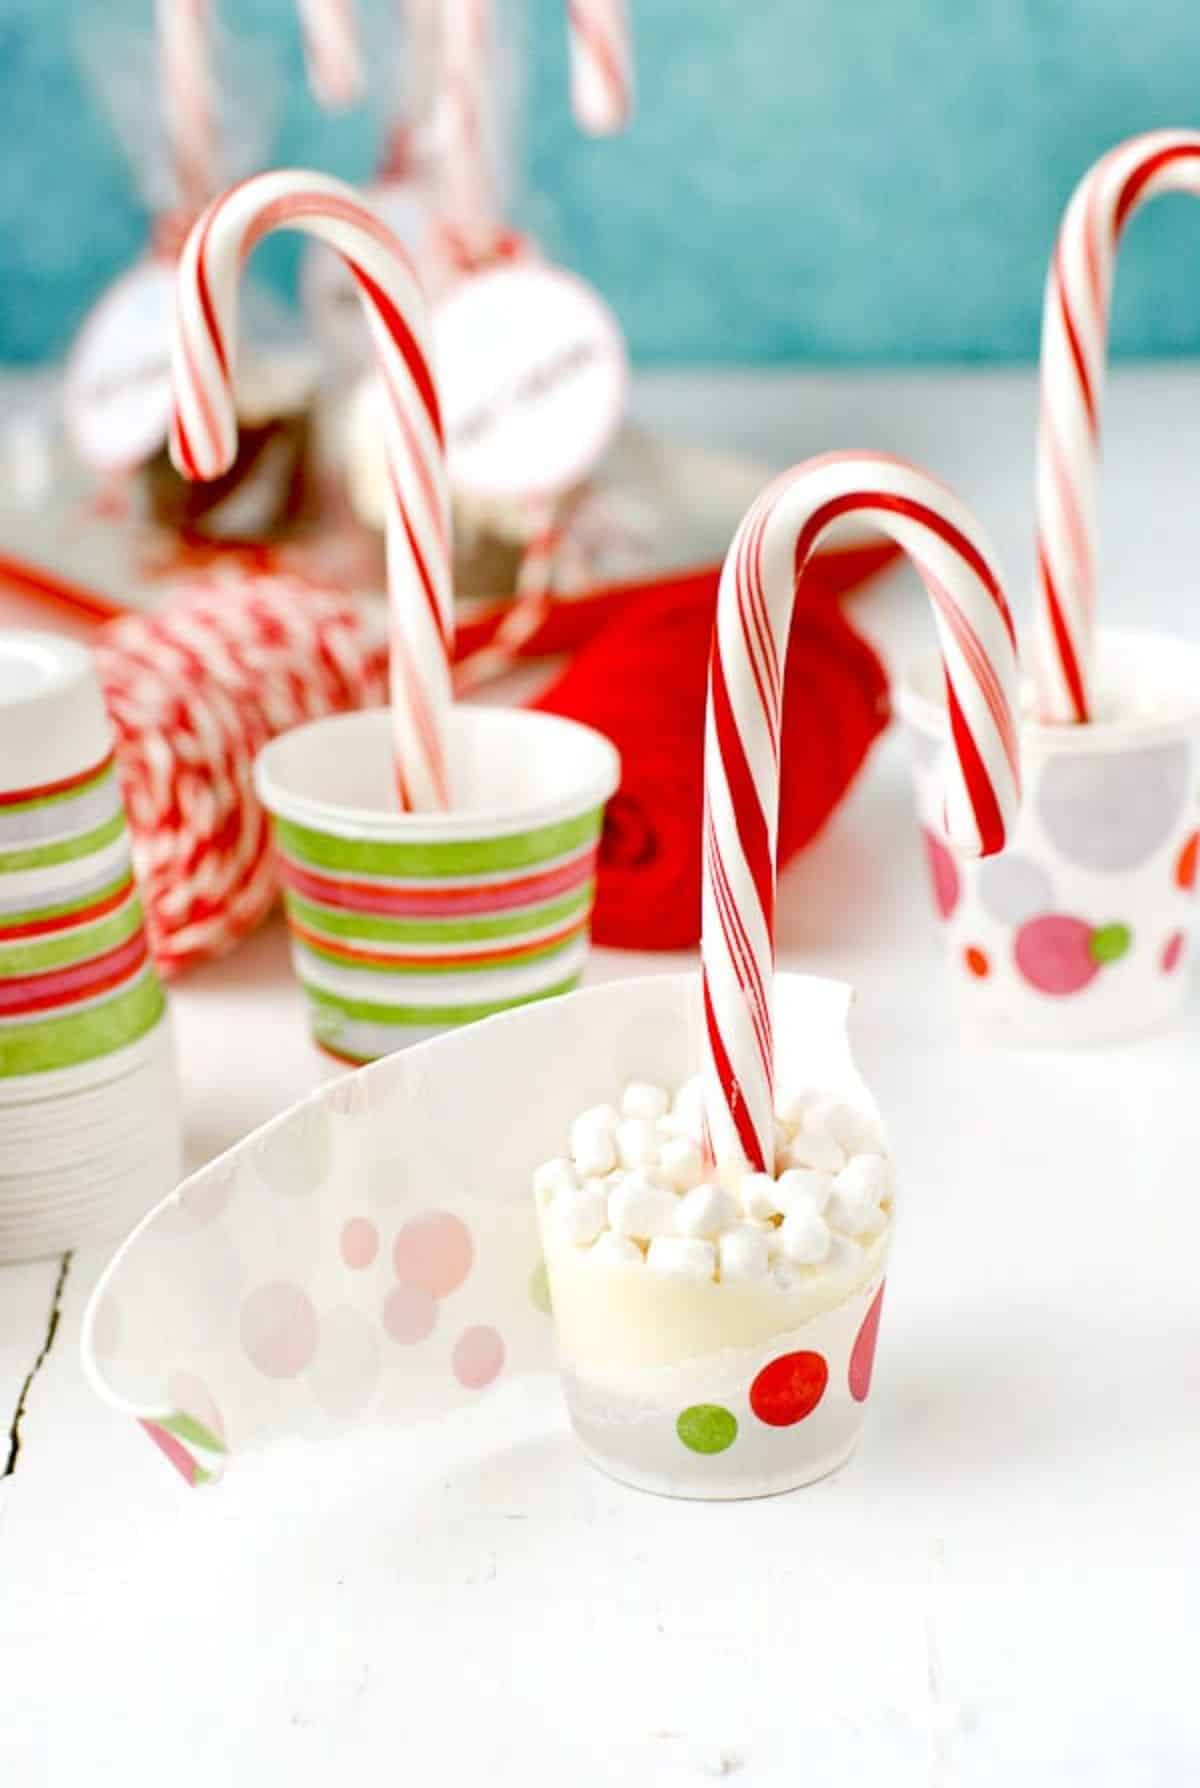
(204, 425)
(331, 51)
(742, 740)
(601, 65)
(1074, 351)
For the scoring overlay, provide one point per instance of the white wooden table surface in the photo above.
(1000, 1589)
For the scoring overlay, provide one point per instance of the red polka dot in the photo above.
(943, 872)
(433, 1253)
(409, 1314)
(1189, 860)
(789, 1389)
(360, 1242)
(477, 1358)
(862, 1357)
(279, 1329)
(977, 962)
(1172, 954)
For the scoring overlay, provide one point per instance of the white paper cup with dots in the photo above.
(1081, 931)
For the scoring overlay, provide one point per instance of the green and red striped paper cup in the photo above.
(407, 924)
(76, 980)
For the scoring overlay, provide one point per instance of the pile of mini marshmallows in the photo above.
(635, 1190)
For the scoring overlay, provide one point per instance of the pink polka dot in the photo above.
(943, 872)
(433, 1253)
(409, 1314)
(862, 1357)
(477, 1358)
(279, 1329)
(1172, 954)
(206, 1198)
(360, 1242)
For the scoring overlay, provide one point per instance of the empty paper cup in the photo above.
(1081, 930)
(373, 1256)
(406, 924)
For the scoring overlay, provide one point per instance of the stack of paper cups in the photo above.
(89, 1109)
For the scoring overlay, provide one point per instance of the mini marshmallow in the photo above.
(805, 1236)
(759, 1197)
(637, 1142)
(857, 1190)
(848, 1127)
(869, 1174)
(682, 1257)
(743, 1253)
(639, 1208)
(593, 1148)
(687, 1108)
(681, 1163)
(815, 1149)
(705, 1210)
(803, 1186)
(553, 1177)
(612, 1250)
(791, 1109)
(582, 1214)
(642, 1099)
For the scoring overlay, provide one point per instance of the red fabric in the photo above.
(643, 682)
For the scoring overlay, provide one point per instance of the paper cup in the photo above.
(1081, 930)
(373, 1255)
(404, 925)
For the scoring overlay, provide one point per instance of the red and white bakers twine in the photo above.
(742, 740)
(184, 38)
(194, 692)
(1074, 352)
(601, 65)
(204, 425)
(332, 53)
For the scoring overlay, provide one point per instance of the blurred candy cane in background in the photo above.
(332, 52)
(601, 65)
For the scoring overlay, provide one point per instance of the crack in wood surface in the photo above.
(52, 1321)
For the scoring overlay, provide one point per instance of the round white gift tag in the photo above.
(117, 393)
(533, 374)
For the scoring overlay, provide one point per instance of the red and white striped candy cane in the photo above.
(332, 54)
(742, 740)
(601, 65)
(1074, 352)
(204, 424)
(184, 39)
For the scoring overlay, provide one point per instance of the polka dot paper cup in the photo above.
(373, 1256)
(1081, 931)
(407, 924)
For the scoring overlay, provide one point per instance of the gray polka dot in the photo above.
(1013, 888)
(1115, 811)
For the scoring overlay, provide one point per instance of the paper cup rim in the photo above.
(926, 715)
(348, 821)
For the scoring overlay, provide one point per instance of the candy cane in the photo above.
(1074, 350)
(601, 65)
(331, 51)
(184, 39)
(204, 424)
(466, 128)
(743, 740)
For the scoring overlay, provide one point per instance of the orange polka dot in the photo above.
(977, 962)
(1189, 861)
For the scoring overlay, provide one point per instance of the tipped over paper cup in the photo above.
(1081, 930)
(373, 1256)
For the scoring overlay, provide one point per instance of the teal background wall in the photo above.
(807, 180)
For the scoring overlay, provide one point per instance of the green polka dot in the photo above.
(539, 1289)
(707, 1428)
(1108, 943)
